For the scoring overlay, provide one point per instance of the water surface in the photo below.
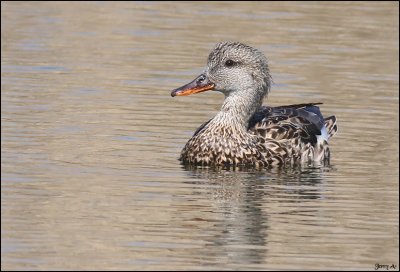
(90, 138)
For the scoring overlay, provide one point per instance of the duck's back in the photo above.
(294, 133)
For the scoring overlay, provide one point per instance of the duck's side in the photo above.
(285, 135)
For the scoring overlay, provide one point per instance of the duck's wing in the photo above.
(298, 130)
(283, 121)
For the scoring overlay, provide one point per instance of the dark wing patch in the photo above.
(303, 121)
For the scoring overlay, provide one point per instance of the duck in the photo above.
(244, 132)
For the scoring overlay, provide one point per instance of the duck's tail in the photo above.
(330, 124)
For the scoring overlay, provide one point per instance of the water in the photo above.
(90, 138)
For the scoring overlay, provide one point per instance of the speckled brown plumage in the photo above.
(244, 132)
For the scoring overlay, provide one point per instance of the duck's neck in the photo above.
(238, 108)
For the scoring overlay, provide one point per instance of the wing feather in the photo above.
(294, 131)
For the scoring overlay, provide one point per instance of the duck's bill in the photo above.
(200, 84)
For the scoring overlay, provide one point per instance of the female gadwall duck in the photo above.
(244, 132)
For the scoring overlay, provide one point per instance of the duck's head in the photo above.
(232, 68)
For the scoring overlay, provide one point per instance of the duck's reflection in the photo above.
(240, 206)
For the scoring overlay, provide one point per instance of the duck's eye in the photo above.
(229, 63)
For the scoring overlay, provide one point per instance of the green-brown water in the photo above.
(90, 138)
